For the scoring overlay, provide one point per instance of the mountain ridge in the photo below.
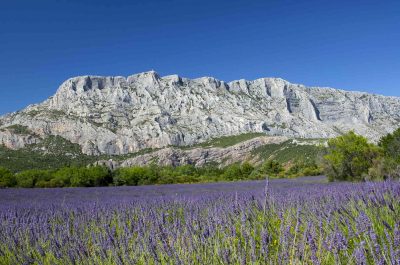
(176, 76)
(121, 115)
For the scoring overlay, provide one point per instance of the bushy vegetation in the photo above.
(290, 151)
(153, 174)
(64, 177)
(7, 178)
(351, 157)
(391, 145)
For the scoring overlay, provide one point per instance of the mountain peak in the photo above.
(81, 84)
(147, 78)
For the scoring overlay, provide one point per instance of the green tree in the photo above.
(7, 178)
(391, 145)
(34, 178)
(98, 176)
(271, 168)
(246, 170)
(349, 157)
(210, 172)
(42, 177)
(82, 177)
(232, 172)
(62, 177)
(301, 168)
(237, 171)
(27, 178)
(133, 176)
(384, 168)
(167, 175)
(186, 173)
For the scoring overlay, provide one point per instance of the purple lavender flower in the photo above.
(396, 236)
(201, 224)
(363, 224)
(359, 254)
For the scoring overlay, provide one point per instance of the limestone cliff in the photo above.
(118, 115)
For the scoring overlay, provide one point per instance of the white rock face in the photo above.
(118, 115)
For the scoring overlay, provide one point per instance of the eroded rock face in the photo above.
(118, 115)
(197, 156)
(15, 141)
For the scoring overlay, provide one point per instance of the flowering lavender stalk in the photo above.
(266, 194)
(310, 223)
(359, 254)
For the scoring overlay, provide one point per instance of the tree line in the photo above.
(95, 176)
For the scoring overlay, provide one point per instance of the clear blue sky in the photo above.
(353, 45)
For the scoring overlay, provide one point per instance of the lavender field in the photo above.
(300, 221)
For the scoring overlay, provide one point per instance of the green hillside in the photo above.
(56, 152)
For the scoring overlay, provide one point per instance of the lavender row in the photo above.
(302, 221)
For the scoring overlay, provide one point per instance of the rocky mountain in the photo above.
(118, 115)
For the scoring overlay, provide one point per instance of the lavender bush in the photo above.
(302, 221)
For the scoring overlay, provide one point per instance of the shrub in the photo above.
(7, 178)
(246, 169)
(132, 176)
(391, 145)
(26, 179)
(271, 168)
(237, 171)
(384, 168)
(62, 177)
(311, 170)
(209, 172)
(97, 176)
(33, 178)
(232, 172)
(81, 177)
(42, 178)
(349, 157)
(303, 169)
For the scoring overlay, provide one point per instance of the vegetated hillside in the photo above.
(225, 141)
(119, 116)
(291, 151)
(224, 151)
(55, 152)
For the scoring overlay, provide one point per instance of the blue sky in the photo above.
(352, 45)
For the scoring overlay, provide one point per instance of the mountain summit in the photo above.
(121, 115)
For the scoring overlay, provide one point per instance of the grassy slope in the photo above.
(226, 141)
(288, 151)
